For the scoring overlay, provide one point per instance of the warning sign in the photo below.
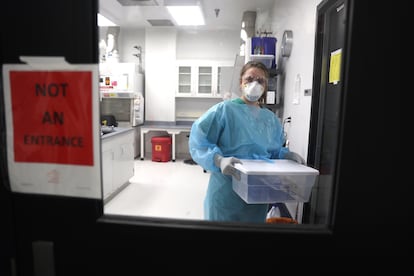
(52, 116)
(53, 136)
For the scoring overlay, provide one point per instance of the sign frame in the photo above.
(42, 174)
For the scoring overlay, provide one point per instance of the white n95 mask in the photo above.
(253, 91)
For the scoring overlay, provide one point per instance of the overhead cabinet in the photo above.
(203, 78)
(185, 80)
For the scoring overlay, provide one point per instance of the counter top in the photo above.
(117, 131)
(171, 125)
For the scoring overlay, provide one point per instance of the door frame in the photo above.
(69, 236)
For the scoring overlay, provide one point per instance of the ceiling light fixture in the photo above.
(104, 22)
(185, 12)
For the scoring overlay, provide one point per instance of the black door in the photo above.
(327, 104)
(56, 235)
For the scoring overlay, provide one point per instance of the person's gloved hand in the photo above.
(226, 164)
(295, 157)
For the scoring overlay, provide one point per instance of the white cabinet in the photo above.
(224, 79)
(107, 171)
(117, 160)
(202, 78)
(185, 86)
(201, 84)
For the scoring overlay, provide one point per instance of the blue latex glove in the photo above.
(226, 164)
(295, 157)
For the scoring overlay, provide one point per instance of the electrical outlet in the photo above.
(308, 92)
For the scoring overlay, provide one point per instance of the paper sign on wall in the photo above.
(52, 128)
(335, 66)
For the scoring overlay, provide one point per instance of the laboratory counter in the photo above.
(107, 132)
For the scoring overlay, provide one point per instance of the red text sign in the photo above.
(52, 116)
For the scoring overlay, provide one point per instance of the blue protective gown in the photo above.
(232, 128)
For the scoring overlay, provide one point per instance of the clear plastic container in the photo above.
(274, 181)
(265, 59)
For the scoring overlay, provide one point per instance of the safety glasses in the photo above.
(261, 81)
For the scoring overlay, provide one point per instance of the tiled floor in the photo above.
(162, 189)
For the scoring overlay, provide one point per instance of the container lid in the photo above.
(265, 59)
(161, 138)
(273, 167)
(261, 57)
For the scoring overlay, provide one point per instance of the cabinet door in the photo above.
(185, 80)
(205, 81)
(223, 82)
(107, 172)
(123, 160)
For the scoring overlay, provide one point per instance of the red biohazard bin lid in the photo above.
(161, 139)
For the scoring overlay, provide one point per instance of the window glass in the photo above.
(187, 70)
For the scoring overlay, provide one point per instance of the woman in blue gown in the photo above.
(237, 129)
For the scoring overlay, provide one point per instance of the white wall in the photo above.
(160, 57)
(128, 38)
(161, 47)
(213, 45)
(300, 17)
